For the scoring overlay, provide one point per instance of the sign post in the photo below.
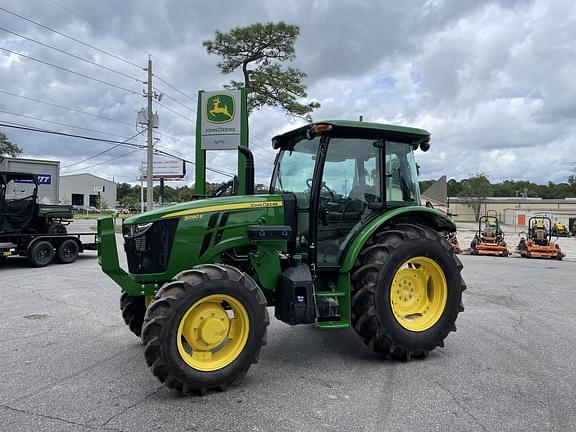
(222, 124)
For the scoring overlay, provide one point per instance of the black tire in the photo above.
(67, 252)
(133, 311)
(41, 253)
(172, 302)
(378, 262)
(57, 228)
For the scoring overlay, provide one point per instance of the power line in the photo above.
(33, 129)
(70, 71)
(65, 107)
(82, 17)
(71, 38)
(71, 55)
(106, 161)
(175, 112)
(138, 147)
(60, 124)
(102, 152)
(70, 11)
(174, 88)
(175, 100)
(182, 74)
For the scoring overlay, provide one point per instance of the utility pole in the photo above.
(150, 182)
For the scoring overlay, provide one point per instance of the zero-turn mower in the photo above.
(489, 239)
(559, 230)
(538, 243)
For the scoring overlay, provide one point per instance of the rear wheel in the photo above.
(205, 328)
(41, 253)
(67, 252)
(407, 291)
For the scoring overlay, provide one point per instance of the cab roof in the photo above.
(358, 129)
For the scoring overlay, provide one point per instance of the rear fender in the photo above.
(433, 218)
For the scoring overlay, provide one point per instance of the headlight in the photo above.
(137, 230)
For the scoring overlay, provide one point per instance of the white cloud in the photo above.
(492, 81)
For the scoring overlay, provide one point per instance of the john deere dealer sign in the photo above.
(220, 120)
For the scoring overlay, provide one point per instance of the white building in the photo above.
(87, 190)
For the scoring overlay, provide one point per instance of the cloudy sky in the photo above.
(494, 81)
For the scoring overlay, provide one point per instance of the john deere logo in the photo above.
(220, 108)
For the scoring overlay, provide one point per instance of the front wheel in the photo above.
(407, 291)
(205, 328)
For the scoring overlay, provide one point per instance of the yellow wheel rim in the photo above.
(213, 332)
(418, 294)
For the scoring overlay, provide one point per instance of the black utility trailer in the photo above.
(37, 231)
(41, 249)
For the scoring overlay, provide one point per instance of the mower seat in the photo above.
(489, 235)
(540, 237)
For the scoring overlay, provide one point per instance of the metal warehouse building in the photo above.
(87, 190)
(517, 211)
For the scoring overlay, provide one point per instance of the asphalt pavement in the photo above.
(68, 363)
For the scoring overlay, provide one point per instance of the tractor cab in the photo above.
(339, 175)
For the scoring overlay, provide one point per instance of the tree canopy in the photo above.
(8, 148)
(259, 50)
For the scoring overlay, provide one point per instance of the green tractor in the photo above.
(340, 240)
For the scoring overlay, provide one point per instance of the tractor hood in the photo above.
(229, 203)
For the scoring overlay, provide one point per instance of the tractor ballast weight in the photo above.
(340, 240)
(489, 239)
(538, 243)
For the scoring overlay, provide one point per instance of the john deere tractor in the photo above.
(340, 240)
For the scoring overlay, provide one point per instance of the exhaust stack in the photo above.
(248, 169)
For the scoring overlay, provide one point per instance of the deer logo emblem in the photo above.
(220, 109)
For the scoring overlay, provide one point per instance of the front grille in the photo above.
(149, 252)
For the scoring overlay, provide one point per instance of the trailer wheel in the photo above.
(41, 254)
(67, 252)
(407, 291)
(205, 328)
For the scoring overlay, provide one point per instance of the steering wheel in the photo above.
(324, 187)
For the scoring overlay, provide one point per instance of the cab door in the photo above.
(349, 180)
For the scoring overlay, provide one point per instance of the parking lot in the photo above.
(68, 363)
